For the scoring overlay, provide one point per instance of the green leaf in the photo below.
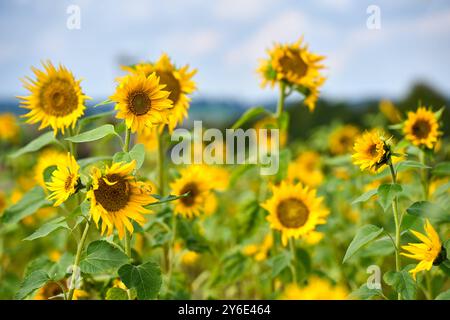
(48, 228)
(387, 192)
(425, 209)
(403, 165)
(364, 235)
(116, 294)
(102, 115)
(102, 256)
(103, 103)
(279, 262)
(168, 198)
(138, 153)
(364, 293)
(145, 278)
(121, 157)
(31, 201)
(402, 283)
(441, 169)
(444, 295)
(32, 282)
(365, 196)
(36, 144)
(248, 115)
(284, 160)
(379, 248)
(94, 134)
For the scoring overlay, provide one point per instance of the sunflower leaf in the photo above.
(425, 209)
(441, 169)
(402, 283)
(364, 235)
(32, 282)
(102, 256)
(48, 228)
(444, 295)
(387, 192)
(407, 164)
(116, 294)
(365, 196)
(94, 134)
(145, 278)
(365, 293)
(248, 115)
(36, 144)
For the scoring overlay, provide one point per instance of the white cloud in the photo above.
(193, 43)
(241, 9)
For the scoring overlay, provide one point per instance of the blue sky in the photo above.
(225, 38)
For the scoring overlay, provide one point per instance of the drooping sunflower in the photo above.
(422, 128)
(64, 181)
(371, 151)
(178, 82)
(46, 159)
(306, 169)
(294, 210)
(116, 198)
(56, 98)
(296, 66)
(430, 252)
(316, 289)
(199, 188)
(9, 129)
(341, 140)
(141, 101)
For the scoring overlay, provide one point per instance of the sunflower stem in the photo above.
(161, 175)
(126, 145)
(294, 260)
(424, 175)
(280, 105)
(128, 235)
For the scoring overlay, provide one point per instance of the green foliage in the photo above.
(426, 209)
(364, 293)
(145, 279)
(94, 134)
(402, 283)
(48, 228)
(387, 193)
(116, 294)
(32, 282)
(35, 145)
(31, 201)
(102, 256)
(365, 235)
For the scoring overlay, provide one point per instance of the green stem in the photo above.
(280, 105)
(126, 148)
(424, 175)
(77, 259)
(293, 262)
(172, 250)
(161, 176)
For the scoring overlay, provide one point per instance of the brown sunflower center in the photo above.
(372, 151)
(140, 103)
(292, 213)
(172, 85)
(69, 182)
(193, 190)
(421, 129)
(59, 98)
(294, 63)
(115, 196)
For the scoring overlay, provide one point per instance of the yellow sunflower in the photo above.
(53, 291)
(149, 138)
(141, 101)
(9, 129)
(46, 159)
(178, 82)
(306, 169)
(64, 180)
(259, 251)
(294, 210)
(370, 151)
(56, 98)
(430, 252)
(199, 188)
(269, 123)
(341, 140)
(190, 258)
(390, 111)
(116, 198)
(316, 289)
(296, 66)
(422, 128)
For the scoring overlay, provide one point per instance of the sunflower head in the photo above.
(341, 140)
(306, 169)
(56, 98)
(64, 181)
(47, 159)
(421, 128)
(9, 129)
(371, 151)
(141, 101)
(294, 210)
(116, 198)
(430, 252)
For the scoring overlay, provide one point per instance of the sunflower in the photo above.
(54, 291)
(199, 188)
(64, 181)
(178, 82)
(371, 151)
(296, 66)
(430, 252)
(141, 101)
(56, 98)
(259, 251)
(422, 128)
(47, 159)
(294, 210)
(341, 140)
(390, 111)
(190, 258)
(149, 138)
(9, 129)
(269, 123)
(306, 169)
(116, 198)
(316, 289)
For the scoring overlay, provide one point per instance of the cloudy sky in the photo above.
(225, 38)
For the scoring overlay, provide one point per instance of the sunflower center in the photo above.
(372, 151)
(59, 98)
(69, 182)
(294, 63)
(421, 129)
(172, 85)
(193, 190)
(140, 103)
(115, 196)
(292, 213)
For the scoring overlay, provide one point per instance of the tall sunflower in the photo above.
(296, 66)
(178, 81)
(64, 181)
(9, 129)
(116, 198)
(371, 151)
(294, 210)
(422, 128)
(56, 98)
(46, 159)
(341, 140)
(141, 101)
(430, 252)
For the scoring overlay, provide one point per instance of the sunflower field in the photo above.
(92, 205)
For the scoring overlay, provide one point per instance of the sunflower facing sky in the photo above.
(116, 198)
(178, 81)
(141, 101)
(64, 181)
(294, 210)
(296, 66)
(422, 128)
(56, 98)
(428, 252)
(370, 151)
